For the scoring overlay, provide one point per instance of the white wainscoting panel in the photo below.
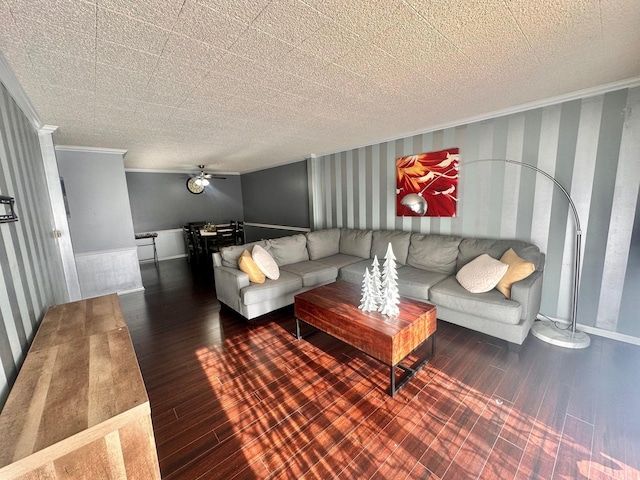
(108, 271)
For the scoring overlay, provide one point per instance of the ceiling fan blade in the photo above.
(203, 175)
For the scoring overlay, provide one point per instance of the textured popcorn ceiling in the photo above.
(246, 84)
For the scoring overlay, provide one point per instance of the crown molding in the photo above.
(10, 81)
(48, 129)
(580, 94)
(182, 172)
(73, 148)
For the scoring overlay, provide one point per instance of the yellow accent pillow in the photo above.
(519, 269)
(248, 266)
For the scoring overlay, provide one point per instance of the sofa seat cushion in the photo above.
(340, 260)
(416, 283)
(354, 273)
(259, 292)
(312, 272)
(492, 305)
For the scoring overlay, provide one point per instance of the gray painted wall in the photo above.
(98, 200)
(30, 266)
(590, 145)
(277, 196)
(161, 201)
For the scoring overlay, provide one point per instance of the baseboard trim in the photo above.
(133, 290)
(182, 255)
(621, 337)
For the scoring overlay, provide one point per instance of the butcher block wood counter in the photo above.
(79, 408)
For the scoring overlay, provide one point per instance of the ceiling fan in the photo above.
(196, 184)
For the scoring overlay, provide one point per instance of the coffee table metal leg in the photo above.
(392, 385)
(298, 336)
(410, 371)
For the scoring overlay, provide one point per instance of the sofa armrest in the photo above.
(229, 282)
(528, 293)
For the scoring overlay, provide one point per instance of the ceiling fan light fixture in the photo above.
(197, 183)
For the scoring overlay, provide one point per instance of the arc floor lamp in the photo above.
(545, 330)
(548, 330)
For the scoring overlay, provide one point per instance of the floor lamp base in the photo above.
(547, 331)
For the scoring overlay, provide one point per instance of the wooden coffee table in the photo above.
(333, 309)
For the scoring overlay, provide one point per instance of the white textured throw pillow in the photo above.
(265, 262)
(481, 274)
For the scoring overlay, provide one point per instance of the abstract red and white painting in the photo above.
(427, 184)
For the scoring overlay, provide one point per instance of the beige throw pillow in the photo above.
(481, 274)
(248, 266)
(519, 269)
(265, 262)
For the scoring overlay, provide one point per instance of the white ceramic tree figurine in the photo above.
(390, 294)
(376, 280)
(368, 302)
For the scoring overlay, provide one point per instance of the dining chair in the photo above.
(200, 247)
(225, 236)
(191, 246)
(239, 232)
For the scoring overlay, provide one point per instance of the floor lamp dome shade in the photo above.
(547, 330)
(415, 202)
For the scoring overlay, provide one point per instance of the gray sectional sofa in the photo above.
(427, 265)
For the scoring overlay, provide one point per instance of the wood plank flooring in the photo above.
(238, 399)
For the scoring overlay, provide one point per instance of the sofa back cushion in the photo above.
(323, 243)
(231, 254)
(288, 250)
(436, 253)
(355, 242)
(399, 242)
(470, 248)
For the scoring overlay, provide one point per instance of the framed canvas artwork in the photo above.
(427, 184)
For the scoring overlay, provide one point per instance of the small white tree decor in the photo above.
(376, 281)
(380, 291)
(390, 295)
(368, 303)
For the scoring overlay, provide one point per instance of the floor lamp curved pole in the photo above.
(547, 330)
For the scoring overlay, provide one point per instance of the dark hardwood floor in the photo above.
(234, 399)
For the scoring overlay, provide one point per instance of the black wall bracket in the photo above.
(7, 212)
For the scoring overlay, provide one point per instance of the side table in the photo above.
(152, 236)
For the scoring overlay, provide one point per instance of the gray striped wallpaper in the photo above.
(30, 267)
(590, 145)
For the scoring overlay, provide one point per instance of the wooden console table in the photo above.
(79, 408)
(333, 308)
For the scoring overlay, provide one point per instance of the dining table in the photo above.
(208, 239)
